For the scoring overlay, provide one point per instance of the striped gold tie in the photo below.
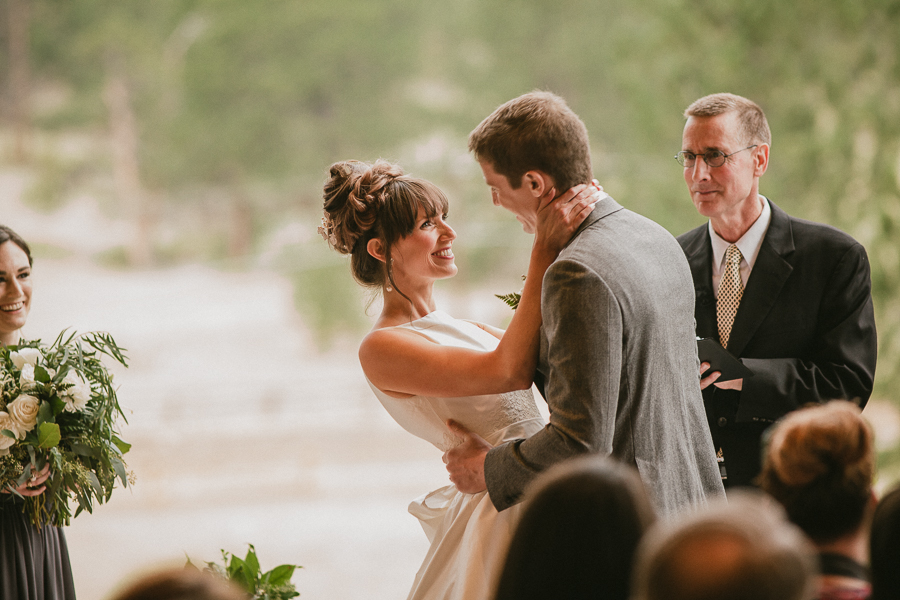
(731, 288)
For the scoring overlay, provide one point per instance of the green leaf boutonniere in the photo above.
(511, 299)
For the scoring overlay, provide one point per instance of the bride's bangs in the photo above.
(432, 199)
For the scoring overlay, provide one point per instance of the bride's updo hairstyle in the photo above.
(820, 465)
(366, 201)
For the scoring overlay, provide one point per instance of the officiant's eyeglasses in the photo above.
(713, 158)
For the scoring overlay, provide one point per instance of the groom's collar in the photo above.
(604, 207)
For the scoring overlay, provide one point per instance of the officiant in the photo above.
(790, 298)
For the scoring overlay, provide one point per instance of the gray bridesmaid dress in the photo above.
(34, 562)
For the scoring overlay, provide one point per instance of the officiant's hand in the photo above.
(465, 462)
(705, 382)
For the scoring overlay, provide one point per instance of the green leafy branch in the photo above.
(247, 575)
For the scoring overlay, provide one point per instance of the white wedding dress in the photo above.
(468, 536)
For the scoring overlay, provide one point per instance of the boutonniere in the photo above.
(512, 299)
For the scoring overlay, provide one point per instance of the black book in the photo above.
(721, 360)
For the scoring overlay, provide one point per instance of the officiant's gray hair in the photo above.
(752, 119)
(8, 235)
(744, 549)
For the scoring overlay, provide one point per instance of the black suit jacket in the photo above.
(805, 327)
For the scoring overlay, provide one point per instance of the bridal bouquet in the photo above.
(58, 407)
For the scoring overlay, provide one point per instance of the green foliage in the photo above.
(511, 300)
(247, 574)
(73, 429)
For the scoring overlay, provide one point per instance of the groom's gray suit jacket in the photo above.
(619, 360)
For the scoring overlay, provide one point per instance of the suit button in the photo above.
(723, 421)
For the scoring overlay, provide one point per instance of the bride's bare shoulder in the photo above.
(383, 341)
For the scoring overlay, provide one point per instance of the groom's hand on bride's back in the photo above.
(465, 462)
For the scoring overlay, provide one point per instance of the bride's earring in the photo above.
(388, 287)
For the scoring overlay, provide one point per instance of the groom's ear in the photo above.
(375, 249)
(538, 183)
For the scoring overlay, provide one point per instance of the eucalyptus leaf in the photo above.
(95, 483)
(85, 450)
(119, 468)
(9, 434)
(123, 447)
(48, 435)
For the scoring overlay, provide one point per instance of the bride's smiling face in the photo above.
(425, 253)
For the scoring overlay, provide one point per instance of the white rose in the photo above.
(24, 356)
(26, 379)
(76, 397)
(24, 411)
(6, 422)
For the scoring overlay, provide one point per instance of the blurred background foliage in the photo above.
(208, 125)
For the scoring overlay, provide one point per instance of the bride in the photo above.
(427, 367)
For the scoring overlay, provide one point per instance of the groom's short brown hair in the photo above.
(536, 131)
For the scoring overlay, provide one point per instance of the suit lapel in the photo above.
(698, 251)
(769, 275)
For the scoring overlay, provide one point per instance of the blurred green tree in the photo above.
(223, 115)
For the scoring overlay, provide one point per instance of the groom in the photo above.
(618, 352)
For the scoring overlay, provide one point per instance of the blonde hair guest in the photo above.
(820, 464)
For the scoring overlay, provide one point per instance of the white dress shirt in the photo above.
(749, 245)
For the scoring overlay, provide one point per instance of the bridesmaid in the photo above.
(34, 562)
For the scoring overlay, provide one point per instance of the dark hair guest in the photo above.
(579, 533)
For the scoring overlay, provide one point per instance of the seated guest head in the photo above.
(181, 584)
(885, 547)
(819, 464)
(744, 549)
(580, 527)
